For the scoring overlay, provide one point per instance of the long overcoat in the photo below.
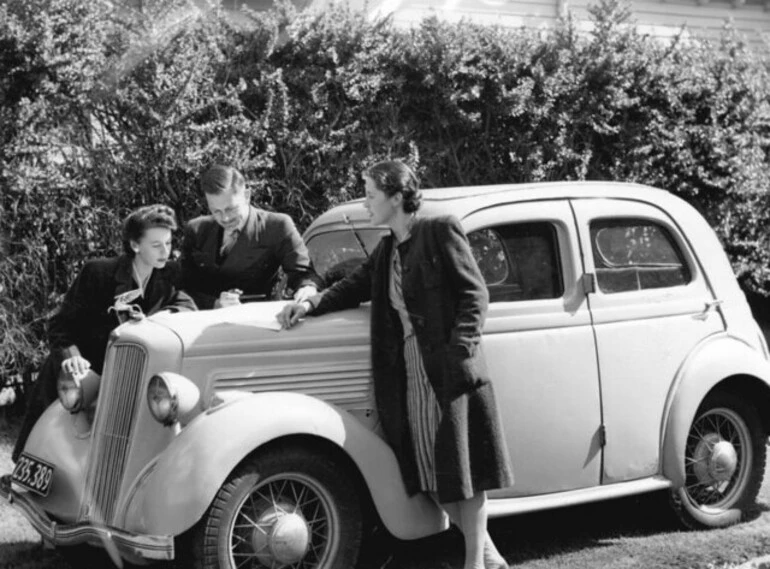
(445, 295)
(83, 322)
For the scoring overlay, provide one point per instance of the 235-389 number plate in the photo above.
(33, 474)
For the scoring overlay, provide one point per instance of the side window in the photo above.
(636, 254)
(519, 261)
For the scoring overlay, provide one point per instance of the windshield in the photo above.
(335, 254)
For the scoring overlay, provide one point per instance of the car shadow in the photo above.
(755, 511)
(534, 536)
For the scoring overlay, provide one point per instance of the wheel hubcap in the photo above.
(718, 459)
(715, 460)
(280, 535)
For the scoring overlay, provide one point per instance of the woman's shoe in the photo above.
(492, 557)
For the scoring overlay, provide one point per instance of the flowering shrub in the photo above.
(103, 110)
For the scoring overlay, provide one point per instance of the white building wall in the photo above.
(661, 18)
(707, 19)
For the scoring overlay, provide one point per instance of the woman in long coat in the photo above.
(434, 398)
(142, 277)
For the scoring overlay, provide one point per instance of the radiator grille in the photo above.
(118, 400)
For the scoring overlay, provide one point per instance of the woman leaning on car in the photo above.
(139, 282)
(434, 398)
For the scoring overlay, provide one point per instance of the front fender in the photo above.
(62, 439)
(172, 494)
(715, 360)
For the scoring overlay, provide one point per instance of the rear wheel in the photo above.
(287, 508)
(724, 463)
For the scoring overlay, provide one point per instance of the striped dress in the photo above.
(423, 410)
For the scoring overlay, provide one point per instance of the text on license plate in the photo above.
(33, 474)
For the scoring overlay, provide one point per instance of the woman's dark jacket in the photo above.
(447, 300)
(85, 322)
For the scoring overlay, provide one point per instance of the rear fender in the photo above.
(175, 490)
(716, 360)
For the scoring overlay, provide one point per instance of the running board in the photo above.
(497, 507)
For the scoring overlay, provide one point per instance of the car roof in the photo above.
(461, 201)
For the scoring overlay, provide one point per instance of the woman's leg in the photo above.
(491, 556)
(472, 517)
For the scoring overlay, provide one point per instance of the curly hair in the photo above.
(144, 218)
(392, 177)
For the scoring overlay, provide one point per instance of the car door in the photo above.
(651, 306)
(539, 345)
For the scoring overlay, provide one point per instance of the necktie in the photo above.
(228, 240)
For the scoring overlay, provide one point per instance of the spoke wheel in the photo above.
(284, 522)
(724, 463)
(286, 509)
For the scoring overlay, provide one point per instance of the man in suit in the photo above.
(240, 247)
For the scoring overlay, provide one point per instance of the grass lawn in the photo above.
(628, 533)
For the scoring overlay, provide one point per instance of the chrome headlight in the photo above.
(77, 392)
(170, 395)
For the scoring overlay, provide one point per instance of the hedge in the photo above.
(104, 110)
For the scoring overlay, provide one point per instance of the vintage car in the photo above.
(623, 353)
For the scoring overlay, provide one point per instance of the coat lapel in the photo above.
(249, 237)
(381, 277)
(124, 278)
(154, 290)
(210, 240)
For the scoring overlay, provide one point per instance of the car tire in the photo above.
(725, 458)
(285, 507)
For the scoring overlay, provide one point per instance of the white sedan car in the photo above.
(624, 356)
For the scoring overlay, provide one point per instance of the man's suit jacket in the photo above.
(268, 241)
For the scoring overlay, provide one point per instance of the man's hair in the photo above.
(393, 176)
(220, 179)
(144, 218)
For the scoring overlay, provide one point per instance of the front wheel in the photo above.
(724, 463)
(286, 508)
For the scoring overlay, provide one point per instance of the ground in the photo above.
(629, 533)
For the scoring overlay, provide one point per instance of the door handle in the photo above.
(711, 305)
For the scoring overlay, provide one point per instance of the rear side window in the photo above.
(519, 261)
(636, 254)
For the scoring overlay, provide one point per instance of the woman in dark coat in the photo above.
(140, 282)
(434, 396)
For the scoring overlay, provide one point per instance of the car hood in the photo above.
(252, 327)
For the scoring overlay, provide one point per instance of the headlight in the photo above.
(77, 392)
(170, 395)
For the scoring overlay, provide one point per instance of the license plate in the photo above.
(33, 474)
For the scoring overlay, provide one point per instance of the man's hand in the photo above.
(291, 314)
(76, 365)
(228, 298)
(305, 292)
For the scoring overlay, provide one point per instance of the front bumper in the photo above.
(128, 544)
